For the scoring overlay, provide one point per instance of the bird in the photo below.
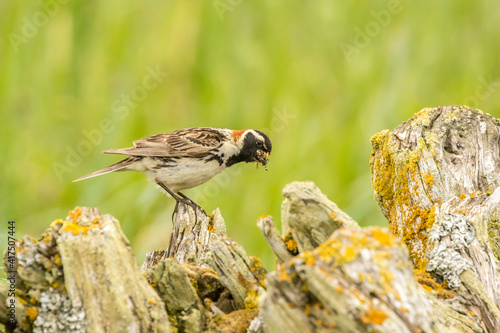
(189, 157)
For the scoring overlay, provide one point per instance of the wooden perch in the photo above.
(436, 178)
(81, 276)
(436, 269)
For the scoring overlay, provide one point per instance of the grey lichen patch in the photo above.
(448, 239)
(58, 314)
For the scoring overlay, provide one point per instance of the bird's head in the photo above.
(254, 146)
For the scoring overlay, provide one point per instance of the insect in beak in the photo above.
(264, 163)
(262, 159)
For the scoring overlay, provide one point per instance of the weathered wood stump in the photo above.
(436, 269)
(81, 276)
(436, 178)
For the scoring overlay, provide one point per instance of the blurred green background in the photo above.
(319, 77)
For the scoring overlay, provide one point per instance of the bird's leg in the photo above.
(172, 194)
(182, 199)
(191, 203)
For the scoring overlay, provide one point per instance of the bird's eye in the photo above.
(260, 144)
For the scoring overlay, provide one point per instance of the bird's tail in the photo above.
(119, 166)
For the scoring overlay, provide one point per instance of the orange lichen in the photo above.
(75, 213)
(463, 196)
(152, 302)
(283, 275)
(74, 227)
(374, 316)
(332, 215)
(428, 283)
(55, 285)
(291, 244)
(426, 287)
(429, 180)
(258, 270)
(32, 313)
(382, 237)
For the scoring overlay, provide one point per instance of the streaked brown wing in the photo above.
(189, 142)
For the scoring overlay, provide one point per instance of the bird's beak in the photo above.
(264, 159)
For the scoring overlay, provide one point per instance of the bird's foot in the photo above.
(184, 200)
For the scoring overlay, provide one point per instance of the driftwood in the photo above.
(436, 269)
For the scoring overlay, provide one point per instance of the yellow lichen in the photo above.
(391, 180)
(32, 313)
(258, 270)
(382, 237)
(374, 316)
(283, 275)
(429, 180)
(350, 253)
(74, 228)
(251, 300)
(75, 213)
(428, 283)
(308, 258)
(329, 250)
(291, 244)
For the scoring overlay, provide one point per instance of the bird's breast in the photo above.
(182, 173)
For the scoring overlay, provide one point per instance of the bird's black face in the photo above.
(264, 147)
(256, 148)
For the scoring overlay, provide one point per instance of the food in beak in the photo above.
(262, 158)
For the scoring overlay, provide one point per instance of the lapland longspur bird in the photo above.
(189, 157)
